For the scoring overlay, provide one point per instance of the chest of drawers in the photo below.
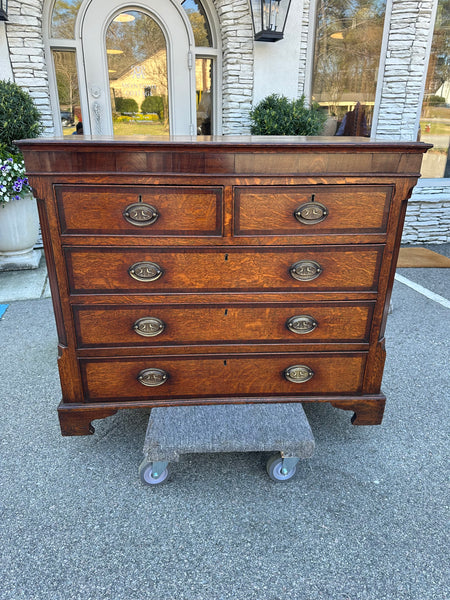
(220, 270)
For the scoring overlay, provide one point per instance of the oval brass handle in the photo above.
(152, 377)
(311, 213)
(305, 270)
(145, 271)
(298, 373)
(140, 214)
(149, 326)
(301, 324)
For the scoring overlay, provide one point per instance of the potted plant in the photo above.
(277, 115)
(19, 221)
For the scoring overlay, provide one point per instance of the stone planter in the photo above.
(19, 230)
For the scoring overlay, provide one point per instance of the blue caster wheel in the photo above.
(275, 469)
(149, 478)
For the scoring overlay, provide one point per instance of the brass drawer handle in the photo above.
(305, 270)
(140, 214)
(311, 213)
(152, 377)
(298, 373)
(149, 326)
(145, 271)
(301, 324)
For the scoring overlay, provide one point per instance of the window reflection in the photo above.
(199, 22)
(203, 87)
(347, 54)
(68, 90)
(435, 118)
(63, 18)
(137, 65)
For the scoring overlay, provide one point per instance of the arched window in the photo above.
(346, 59)
(137, 89)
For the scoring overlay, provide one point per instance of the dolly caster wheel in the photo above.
(275, 469)
(149, 477)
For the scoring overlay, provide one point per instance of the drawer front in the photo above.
(301, 210)
(145, 211)
(208, 377)
(324, 268)
(190, 324)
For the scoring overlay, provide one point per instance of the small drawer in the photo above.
(302, 210)
(213, 377)
(159, 325)
(142, 211)
(325, 268)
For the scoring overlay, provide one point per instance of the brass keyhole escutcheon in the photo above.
(301, 324)
(305, 270)
(140, 214)
(311, 213)
(152, 377)
(149, 326)
(298, 373)
(145, 271)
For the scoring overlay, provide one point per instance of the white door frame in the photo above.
(92, 23)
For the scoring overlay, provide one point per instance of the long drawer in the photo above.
(140, 210)
(207, 376)
(325, 268)
(324, 209)
(160, 325)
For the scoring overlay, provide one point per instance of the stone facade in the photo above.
(403, 66)
(237, 64)
(26, 50)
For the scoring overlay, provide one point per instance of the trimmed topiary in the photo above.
(277, 115)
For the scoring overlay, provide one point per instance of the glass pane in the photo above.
(63, 18)
(203, 87)
(435, 118)
(347, 54)
(68, 91)
(137, 64)
(199, 22)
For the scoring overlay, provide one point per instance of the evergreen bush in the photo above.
(153, 104)
(19, 117)
(126, 105)
(277, 115)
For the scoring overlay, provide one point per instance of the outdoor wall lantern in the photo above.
(269, 19)
(3, 10)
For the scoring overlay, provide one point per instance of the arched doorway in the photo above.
(125, 69)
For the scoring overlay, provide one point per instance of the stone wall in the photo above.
(237, 64)
(406, 62)
(26, 48)
(428, 215)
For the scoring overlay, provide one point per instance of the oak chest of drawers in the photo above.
(220, 270)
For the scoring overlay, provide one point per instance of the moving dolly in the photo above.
(177, 430)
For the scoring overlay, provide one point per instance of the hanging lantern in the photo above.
(269, 19)
(3, 10)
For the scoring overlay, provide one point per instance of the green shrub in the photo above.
(19, 118)
(126, 105)
(277, 115)
(434, 100)
(153, 104)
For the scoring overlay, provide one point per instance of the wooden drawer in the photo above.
(301, 210)
(140, 211)
(326, 268)
(206, 376)
(161, 325)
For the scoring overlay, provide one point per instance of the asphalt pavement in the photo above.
(365, 518)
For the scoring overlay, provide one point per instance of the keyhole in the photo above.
(226, 256)
(139, 198)
(225, 362)
(226, 311)
(313, 197)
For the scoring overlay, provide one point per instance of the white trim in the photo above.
(381, 68)
(425, 70)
